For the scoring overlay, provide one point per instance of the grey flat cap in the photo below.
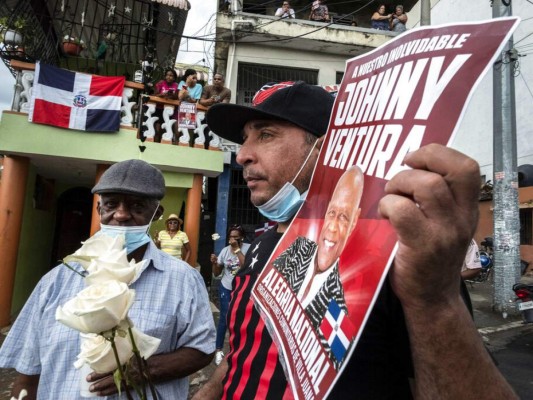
(134, 177)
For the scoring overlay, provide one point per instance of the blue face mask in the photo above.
(286, 202)
(135, 236)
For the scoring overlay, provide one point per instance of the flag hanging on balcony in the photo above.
(74, 100)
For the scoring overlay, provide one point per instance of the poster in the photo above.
(318, 287)
(187, 115)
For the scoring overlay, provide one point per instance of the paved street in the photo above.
(510, 342)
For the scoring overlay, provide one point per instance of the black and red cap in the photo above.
(304, 105)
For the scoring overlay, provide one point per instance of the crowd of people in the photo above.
(381, 20)
(187, 90)
(419, 341)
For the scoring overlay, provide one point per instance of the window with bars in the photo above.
(526, 226)
(251, 77)
(241, 209)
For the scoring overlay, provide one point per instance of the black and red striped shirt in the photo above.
(379, 368)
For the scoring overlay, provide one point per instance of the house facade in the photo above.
(46, 208)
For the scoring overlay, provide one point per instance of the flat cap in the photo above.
(135, 177)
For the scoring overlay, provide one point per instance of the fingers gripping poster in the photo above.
(321, 281)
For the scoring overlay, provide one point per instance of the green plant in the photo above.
(17, 24)
(14, 28)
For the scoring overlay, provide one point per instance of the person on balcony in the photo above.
(165, 89)
(173, 240)
(398, 20)
(189, 89)
(285, 11)
(319, 11)
(380, 20)
(215, 93)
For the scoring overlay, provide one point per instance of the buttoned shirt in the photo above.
(171, 303)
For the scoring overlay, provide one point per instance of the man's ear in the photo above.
(98, 208)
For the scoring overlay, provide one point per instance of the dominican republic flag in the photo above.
(337, 329)
(74, 100)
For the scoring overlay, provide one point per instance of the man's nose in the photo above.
(122, 212)
(333, 225)
(246, 155)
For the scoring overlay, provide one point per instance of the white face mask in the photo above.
(134, 236)
(286, 202)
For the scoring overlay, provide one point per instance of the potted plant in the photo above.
(72, 46)
(11, 31)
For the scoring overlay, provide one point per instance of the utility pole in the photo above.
(425, 12)
(505, 189)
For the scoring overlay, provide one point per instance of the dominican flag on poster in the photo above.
(75, 100)
(338, 330)
(317, 290)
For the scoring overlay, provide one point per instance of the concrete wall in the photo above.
(327, 64)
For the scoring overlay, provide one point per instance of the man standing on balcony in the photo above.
(215, 93)
(432, 207)
(171, 303)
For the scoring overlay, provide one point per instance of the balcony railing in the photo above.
(199, 137)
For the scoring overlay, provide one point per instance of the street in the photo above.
(510, 342)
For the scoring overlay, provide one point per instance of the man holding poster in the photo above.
(311, 268)
(419, 207)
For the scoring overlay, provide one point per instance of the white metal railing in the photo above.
(21, 103)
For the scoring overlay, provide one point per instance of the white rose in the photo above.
(95, 247)
(97, 308)
(97, 352)
(113, 265)
(215, 236)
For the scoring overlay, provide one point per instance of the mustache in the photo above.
(249, 173)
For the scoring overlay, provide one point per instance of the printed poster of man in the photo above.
(187, 115)
(323, 277)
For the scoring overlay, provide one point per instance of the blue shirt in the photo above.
(195, 92)
(171, 303)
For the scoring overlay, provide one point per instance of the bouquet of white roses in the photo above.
(100, 312)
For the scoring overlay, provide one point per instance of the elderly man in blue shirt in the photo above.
(171, 303)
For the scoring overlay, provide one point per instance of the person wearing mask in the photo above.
(228, 262)
(285, 11)
(380, 20)
(173, 240)
(419, 340)
(171, 303)
(189, 89)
